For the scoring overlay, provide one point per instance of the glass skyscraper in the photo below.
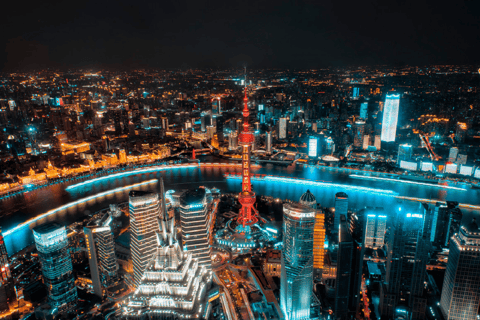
(461, 285)
(375, 227)
(196, 222)
(406, 267)
(297, 261)
(341, 209)
(101, 253)
(390, 117)
(52, 244)
(174, 285)
(144, 210)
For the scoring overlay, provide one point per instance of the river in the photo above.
(26, 206)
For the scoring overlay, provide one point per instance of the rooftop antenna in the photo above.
(245, 84)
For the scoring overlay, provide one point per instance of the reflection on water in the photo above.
(21, 208)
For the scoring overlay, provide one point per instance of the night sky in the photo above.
(279, 34)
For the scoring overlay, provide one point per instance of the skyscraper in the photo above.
(406, 267)
(461, 286)
(174, 284)
(404, 153)
(313, 147)
(101, 253)
(445, 222)
(196, 222)
(52, 244)
(390, 117)
(308, 199)
(377, 142)
(144, 208)
(364, 110)
(341, 209)
(268, 143)
(297, 261)
(358, 136)
(232, 141)
(282, 128)
(344, 270)
(375, 228)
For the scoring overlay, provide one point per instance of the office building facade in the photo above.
(101, 253)
(297, 261)
(144, 208)
(282, 128)
(52, 245)
(375, 228)
(196, 221)
(174, 285)
(461, 286)
(390, 117)
(344, 270)
(341, 209)
(406, 268)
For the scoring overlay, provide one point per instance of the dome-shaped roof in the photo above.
(472, 226)
(307, 197)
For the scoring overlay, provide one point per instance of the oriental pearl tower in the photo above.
(248, 215)
(249, 230)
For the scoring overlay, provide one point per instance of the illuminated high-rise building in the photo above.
(313, 147)
(308, 199)
(296, 280)
(404, 153)
(268, 143)
(319, 241)
(375, 228)
(196, 222)
(341, 209)
(407, 249)
(174, 284)
(356, 93)
(378, 143)
(101, 253)
(282, 128)
(52, 245)
(364, 110)
(390, 117)
(144, 208)
(461, 286)
(359, 131)
(232, 141)
(366, 142)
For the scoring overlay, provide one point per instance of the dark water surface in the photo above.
(23, 207)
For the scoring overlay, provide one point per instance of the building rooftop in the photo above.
(47, 228)
(193, 196)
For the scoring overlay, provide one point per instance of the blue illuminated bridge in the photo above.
(69, 201)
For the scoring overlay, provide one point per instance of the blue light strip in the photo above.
(356, 176)
(325, 184)
(129, 173)
(460, 205)
(72, 204)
